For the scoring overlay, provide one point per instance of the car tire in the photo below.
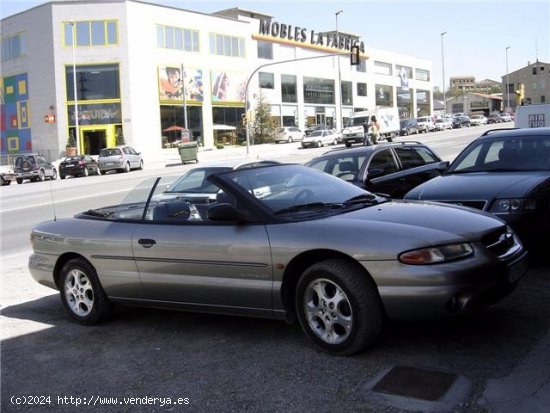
(4, 182)
(126, 167)
(140, 165)
(319, 144)
(82, 294)
(290, 140)
(338, 307)
(348, 144)
(62, 176)
(41, 176)
(54, 175)
(19, 181)
(85, 171)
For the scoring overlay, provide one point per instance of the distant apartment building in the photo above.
(530, 84)
(462, 83)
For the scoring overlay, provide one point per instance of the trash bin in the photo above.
(188, 151)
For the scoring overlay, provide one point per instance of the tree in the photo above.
(262, 128)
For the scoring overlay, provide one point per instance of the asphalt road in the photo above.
(156, 358)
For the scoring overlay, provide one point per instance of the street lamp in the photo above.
(507, 83)
(443, 72)
(77, 134)
(339, 102)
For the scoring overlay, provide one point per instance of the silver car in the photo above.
(120, 159)
(289, 134)
(279, 241)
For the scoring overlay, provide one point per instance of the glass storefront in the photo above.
(172, 120)
(228, 128)
(423, 102)
(319, 91)
(405, 103)
(289, 89)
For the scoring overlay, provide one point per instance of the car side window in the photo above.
(412, 157)
(383, 160)
(126, 151)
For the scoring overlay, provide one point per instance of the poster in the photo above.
(228, 86)
(175, 81)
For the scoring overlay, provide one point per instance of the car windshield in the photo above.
(110, 152)
(196, 182)
(504, 155)
(316, 133)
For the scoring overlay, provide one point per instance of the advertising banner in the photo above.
(175, 81)
(228, 87)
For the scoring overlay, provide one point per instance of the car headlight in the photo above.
(513, 205)
(436, 255)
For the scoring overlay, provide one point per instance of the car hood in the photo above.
(478, 186)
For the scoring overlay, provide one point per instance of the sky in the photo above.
(477, 32)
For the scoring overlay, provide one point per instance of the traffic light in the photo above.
(354, 56)
(520, 94)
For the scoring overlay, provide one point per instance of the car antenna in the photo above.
(53, 202)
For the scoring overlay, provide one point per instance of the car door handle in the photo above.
(146, 242)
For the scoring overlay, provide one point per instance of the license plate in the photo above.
(69, 166)
(516, 271)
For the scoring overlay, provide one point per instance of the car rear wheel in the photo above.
(141, 164)
(319, 144)
(127, 167)
(82, 294)
(54, 175)
(290, 140)
(41, 176)
(19, 180)
(85, 171)
(338, 307)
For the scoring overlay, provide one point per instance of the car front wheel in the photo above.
(82, 294)
(338, 307)
(41, 176)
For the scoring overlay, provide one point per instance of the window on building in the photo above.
(347, 93)
(543, 99)
(421, 74)
(265, 50)
(319, 91)
(361, 89)
(13, 47)
(383, 68)
(534, 70)
(267, 80)
(227, 45)
(91, 33)
(93, 82)
(288, 88)
(177, 38)
(384, 95)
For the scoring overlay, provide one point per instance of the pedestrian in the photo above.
(374, 130)
(366, 140)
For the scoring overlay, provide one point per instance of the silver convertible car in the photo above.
(279, 241)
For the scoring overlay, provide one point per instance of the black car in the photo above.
(392, 168)
(461, 122)
(505, 172)
(494, 118)
(408, 126)
(34, 167)
(80, 165)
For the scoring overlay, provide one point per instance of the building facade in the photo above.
(102, 70)
(530, 84)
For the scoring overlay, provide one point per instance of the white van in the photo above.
(533, 116)
(388, 118)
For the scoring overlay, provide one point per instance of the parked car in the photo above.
(120, 159)
(320, 138)
(478, 120)
(6, 175)
(392, 168)
(34, 167)
(408, 126)
(425, 124)
(494, 118)
(79, 165)
(461, 122)
(285, 242)
(506, 117)
(314, 128)
(505, 172)
(289, 134)
(443, 124)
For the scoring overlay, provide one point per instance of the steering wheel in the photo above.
(302, 194)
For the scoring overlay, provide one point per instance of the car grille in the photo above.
(499, 241)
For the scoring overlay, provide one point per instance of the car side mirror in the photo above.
(223, 212)
(375, 173)
(443, 166)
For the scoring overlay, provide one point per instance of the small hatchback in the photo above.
(320, 138)
(120, 159)
(33, 167)
(79, 165)
(408, 126)
(289, 134)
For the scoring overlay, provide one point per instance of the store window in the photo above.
(93, 82)
(422, 74)
(384, 95)
(405, 103)
(361, 89)
(347, 93)
(319, 91)
(227, 45)
(265, 50)
(177, 38)
(267, 80)
(288, 88)
(423, 100)
(91, 33)
(13, 47)
(383, 68)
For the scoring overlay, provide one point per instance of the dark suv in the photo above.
(33, 167)
(408, 126)
(389, 168)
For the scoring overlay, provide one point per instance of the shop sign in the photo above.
(479, 104)
(99, 114)
(303, 35)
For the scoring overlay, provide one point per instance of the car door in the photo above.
(418, 164)
(206, 266)
(380, 173)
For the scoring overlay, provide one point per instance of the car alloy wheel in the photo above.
(127, 167)
(41, 175)
(82, 294)
(338, 307)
